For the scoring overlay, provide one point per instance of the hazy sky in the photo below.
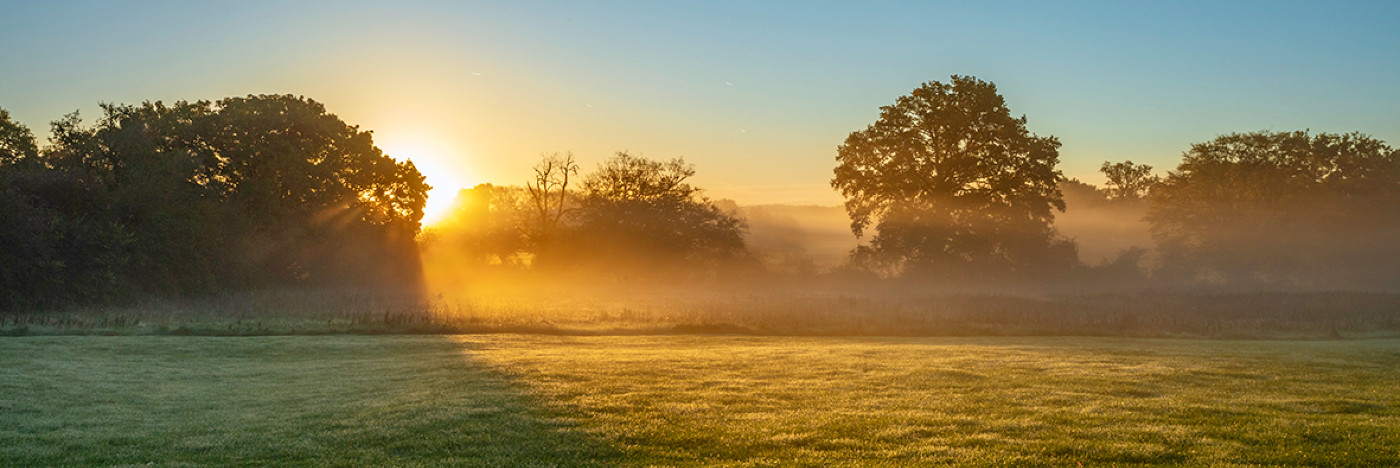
(757, 94)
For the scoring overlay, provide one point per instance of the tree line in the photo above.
(945, 186)
(199, 198)
(631, 216)
(957, 188)
(948, 186)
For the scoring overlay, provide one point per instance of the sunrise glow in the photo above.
(444, 167)
(714, 233)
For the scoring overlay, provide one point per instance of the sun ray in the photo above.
(443, 167)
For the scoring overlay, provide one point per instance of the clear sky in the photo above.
(757, 94)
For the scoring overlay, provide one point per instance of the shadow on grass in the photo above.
(344, 400)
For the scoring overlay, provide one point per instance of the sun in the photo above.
(443, 167)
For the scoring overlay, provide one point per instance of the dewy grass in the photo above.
(774, 313)
(1018, 401)
(269, 401)
(694, 400)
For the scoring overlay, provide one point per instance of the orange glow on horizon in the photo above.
(442, 166)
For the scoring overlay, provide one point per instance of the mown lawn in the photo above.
(545, 400)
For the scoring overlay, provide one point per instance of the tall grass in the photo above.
(778, 311)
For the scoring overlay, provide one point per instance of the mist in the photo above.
(1261, 234)
(1292, 267)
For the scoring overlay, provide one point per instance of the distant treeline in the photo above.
(945, 189)
(949, 189)
(957, 188)
(631, 217)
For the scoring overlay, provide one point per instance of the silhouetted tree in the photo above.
(549, 196)
(139, 157)
(197, 197)
(1128, 181)
(56, 242)
(1076, 192)
(954, 185)
(489, 225)
(638, 210)
(304, 184)
(16, 141)
(1282, 208)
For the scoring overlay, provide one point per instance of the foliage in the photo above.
(1077, 192)
(1283, 209)
(549, 197)
(1128, 181)
(201, 197)
(954, 185)
(631, 218)
(56, 241)
(487, 227)
(16, 141)
(640, 210)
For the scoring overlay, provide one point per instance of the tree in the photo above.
(1128, 181)
(198, 197)
(488, 226)
(643, 211)
(314, 196)
(16, 141)
(549, 196)
(1284, 208)
(953, 185)
(56, 242)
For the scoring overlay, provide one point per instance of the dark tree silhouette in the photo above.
(1282, 208)
(1128, 181)
(57, 243)
(639, 210)
(488, 226)
(200, 197)
(549, 196)
(1076, 193)
(313, 195)
(953, 185)
(16, 141)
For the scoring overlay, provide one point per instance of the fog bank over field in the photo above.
(793, 237)
(799, 237)
(1102, 229)
(957, 220)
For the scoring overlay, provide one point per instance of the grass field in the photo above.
(774, 312)
(681, 400)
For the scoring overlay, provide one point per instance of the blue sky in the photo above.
(756, 94)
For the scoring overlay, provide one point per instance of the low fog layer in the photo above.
(806, 238)
(957, 220)
(1100, 228)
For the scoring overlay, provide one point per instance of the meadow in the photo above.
(696, 400)
(761, 309)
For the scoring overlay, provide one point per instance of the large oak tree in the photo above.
(953, 185)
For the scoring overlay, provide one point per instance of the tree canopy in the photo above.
(632, 217)
(198, 196)
(953, 184)
(1128, 181)
(16, 141)
(634, 207)
(1282, 208)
